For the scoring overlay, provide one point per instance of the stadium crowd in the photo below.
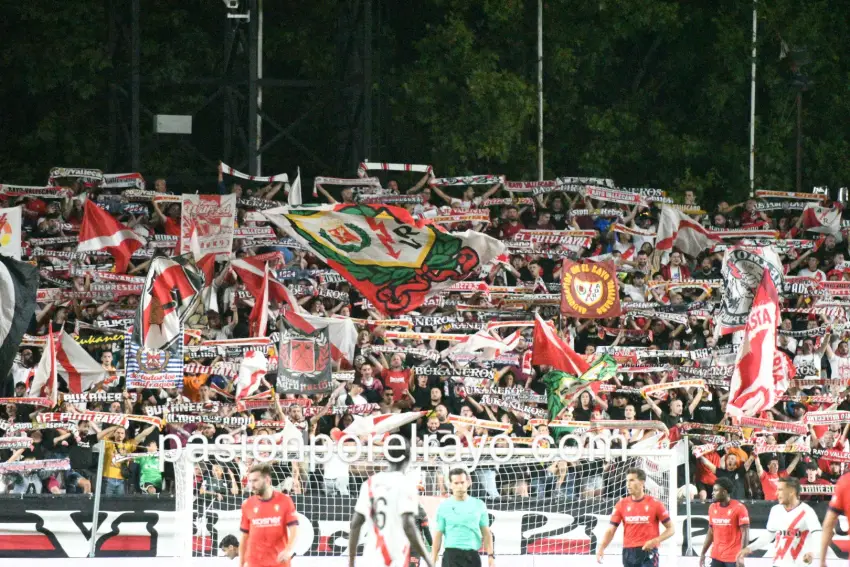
(669, 301)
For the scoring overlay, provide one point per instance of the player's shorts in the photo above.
(637, 557)
(461, 558)
(718, 563)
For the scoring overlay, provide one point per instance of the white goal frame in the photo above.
(656, 461)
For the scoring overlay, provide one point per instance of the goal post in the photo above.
(542, 501)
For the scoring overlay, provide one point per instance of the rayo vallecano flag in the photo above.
(18, 286)
(171, 293)
(10, 232)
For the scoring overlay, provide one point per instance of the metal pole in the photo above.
(253, 64)
(259, 86)
(540, 90)
(753, 105)
(135, 80)
(689, 550)
(800, 142)
(98, 490)
(367, 80)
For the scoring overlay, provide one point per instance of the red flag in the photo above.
(761, 374)
(100, 231)
(259, 317)
(252, 271)
(551, 350)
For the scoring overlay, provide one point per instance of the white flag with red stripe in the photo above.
(755, 387)
(100, 231)
(822, 219)
(70, 361)
(258, 320)
(678, 230)
(252, 370)
(375, 425)
(551, 350)
(484, 345)
(44, 380)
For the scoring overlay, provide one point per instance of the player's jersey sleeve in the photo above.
(441, 519)
(289, 516)
(363, 506)
(484, 519)
(245, 525)
(661, 511)
(773, 520)
(617, 515)
(743, 515)
(408, 499)
(838, 502)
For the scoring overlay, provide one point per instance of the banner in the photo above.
(590, 291)
(305, 362)
(152, 367)
(10, 232)
(742, 272)
(395, 261)
(211, 218)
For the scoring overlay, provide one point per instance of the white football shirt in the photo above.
(383, 499)
(795, 531)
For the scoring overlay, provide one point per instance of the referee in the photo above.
(465, 522)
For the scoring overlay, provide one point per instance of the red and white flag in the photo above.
(678, 230)
(761, 375)
(100, 231)
(824, 220)
(551, 350)
(341, 332)
(252, 370)
(484, 345)
(258, 320)
(375, 425)
(252, 273)
(70, 361)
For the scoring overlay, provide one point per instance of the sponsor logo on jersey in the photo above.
(266, 522)
(637, 519)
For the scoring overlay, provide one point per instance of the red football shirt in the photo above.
(770, 482)
(640, 519)
(726, 522)
(266, 522)
(840, 503)
(398, 380)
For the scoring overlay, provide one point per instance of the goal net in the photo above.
(542, 501)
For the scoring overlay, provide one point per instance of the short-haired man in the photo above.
(269, 525)
(230, 546)
(791, 525)
(728, 527)
(465, 523)
(641, 515)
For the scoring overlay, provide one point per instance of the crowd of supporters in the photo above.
(383, 378)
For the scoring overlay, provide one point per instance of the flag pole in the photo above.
(540, 90)
(753, 104)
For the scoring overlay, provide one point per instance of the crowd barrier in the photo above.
(526, 533)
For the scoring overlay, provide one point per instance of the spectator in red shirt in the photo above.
(770, 478)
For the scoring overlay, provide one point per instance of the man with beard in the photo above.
(269, 524)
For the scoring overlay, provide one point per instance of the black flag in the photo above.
(18, 287)
(304, 365)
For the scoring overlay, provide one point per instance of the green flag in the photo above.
(562, 387)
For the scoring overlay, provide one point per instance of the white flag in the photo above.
(295, 191)
(10, 232)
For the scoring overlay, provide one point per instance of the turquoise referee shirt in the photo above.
(461, 521)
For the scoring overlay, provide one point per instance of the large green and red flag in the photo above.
(394, 260)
